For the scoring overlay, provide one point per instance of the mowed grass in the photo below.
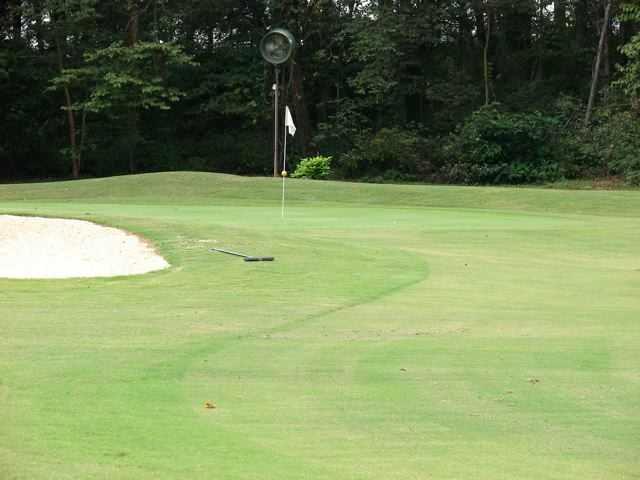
(403, 332)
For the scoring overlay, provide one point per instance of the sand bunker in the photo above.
(32, 247)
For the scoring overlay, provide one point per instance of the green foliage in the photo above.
(630, 80)
(376, 48)
(231, 86)
(388, 149)
(368, 76)
(317, 168)
(630, 72)
(494, 147)
(615, 140)
(609, 147)
(122, 76)
(67, 15)
(343, 129)
(452, 98)
(4, 66)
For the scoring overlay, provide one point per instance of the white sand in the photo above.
(32, 247)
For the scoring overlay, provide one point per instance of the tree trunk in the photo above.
(75, 163)
(480, 23)
(132, 137)
(487, 37)
(323, 104)
(581, 14)
(71, 118)
(480, 37)
(596, 68)
(560, 15)
(463, 45)
(537, 72)
(351, 7)
(15, 11)
(38, 28)
(384, 5)
(132, 113)
(606, 62)
(4, 16)
(83, 137)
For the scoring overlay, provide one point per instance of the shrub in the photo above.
(388, 149)
(318, 168)
(609, 147)
(616, 140)
(494, 147)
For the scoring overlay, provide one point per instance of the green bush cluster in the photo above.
(497, 147)
(388, 150)
(615, 140)
(317, 168)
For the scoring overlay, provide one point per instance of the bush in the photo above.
(615, 138)
(388, 149)
(496, 147)
(609, 147)
(317, 168)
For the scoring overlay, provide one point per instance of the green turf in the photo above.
(403, 332)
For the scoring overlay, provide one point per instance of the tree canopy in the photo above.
(473, 91)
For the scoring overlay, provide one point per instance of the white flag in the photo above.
(288, 122)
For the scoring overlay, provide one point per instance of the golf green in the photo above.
(403, 332)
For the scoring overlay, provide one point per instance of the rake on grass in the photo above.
(247, 258)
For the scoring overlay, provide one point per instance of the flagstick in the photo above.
(284, 167)
(288, 124)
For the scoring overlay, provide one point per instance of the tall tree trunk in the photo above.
(480, 23)
(581, 14)
(323, 104)
(132, 138)
(15, 10)
(83, 137)
(38, 28)
(487, 37)
(480, 37)
(560, 15)
(132, 113)
(351, 7)
(606, 61)
(596, 68)
(3, 13)
(384, 4)
(71, 118)
(463, 44)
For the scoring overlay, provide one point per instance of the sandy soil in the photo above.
(32, 247)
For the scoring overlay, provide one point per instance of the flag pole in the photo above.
(284, 166)
(290, 129)
(276, 88)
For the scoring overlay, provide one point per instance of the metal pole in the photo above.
(275, 124)
(284, 162)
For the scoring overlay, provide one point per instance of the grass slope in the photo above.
(403, 332)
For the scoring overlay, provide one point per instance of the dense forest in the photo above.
(472, 92)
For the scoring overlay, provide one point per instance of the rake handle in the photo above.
(247, 258)
(229, 252)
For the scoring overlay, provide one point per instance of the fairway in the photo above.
(403, 332)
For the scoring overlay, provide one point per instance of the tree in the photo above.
(630, 73)
(367, 73)
(67, 20)
(124, 78)
(596, 68)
